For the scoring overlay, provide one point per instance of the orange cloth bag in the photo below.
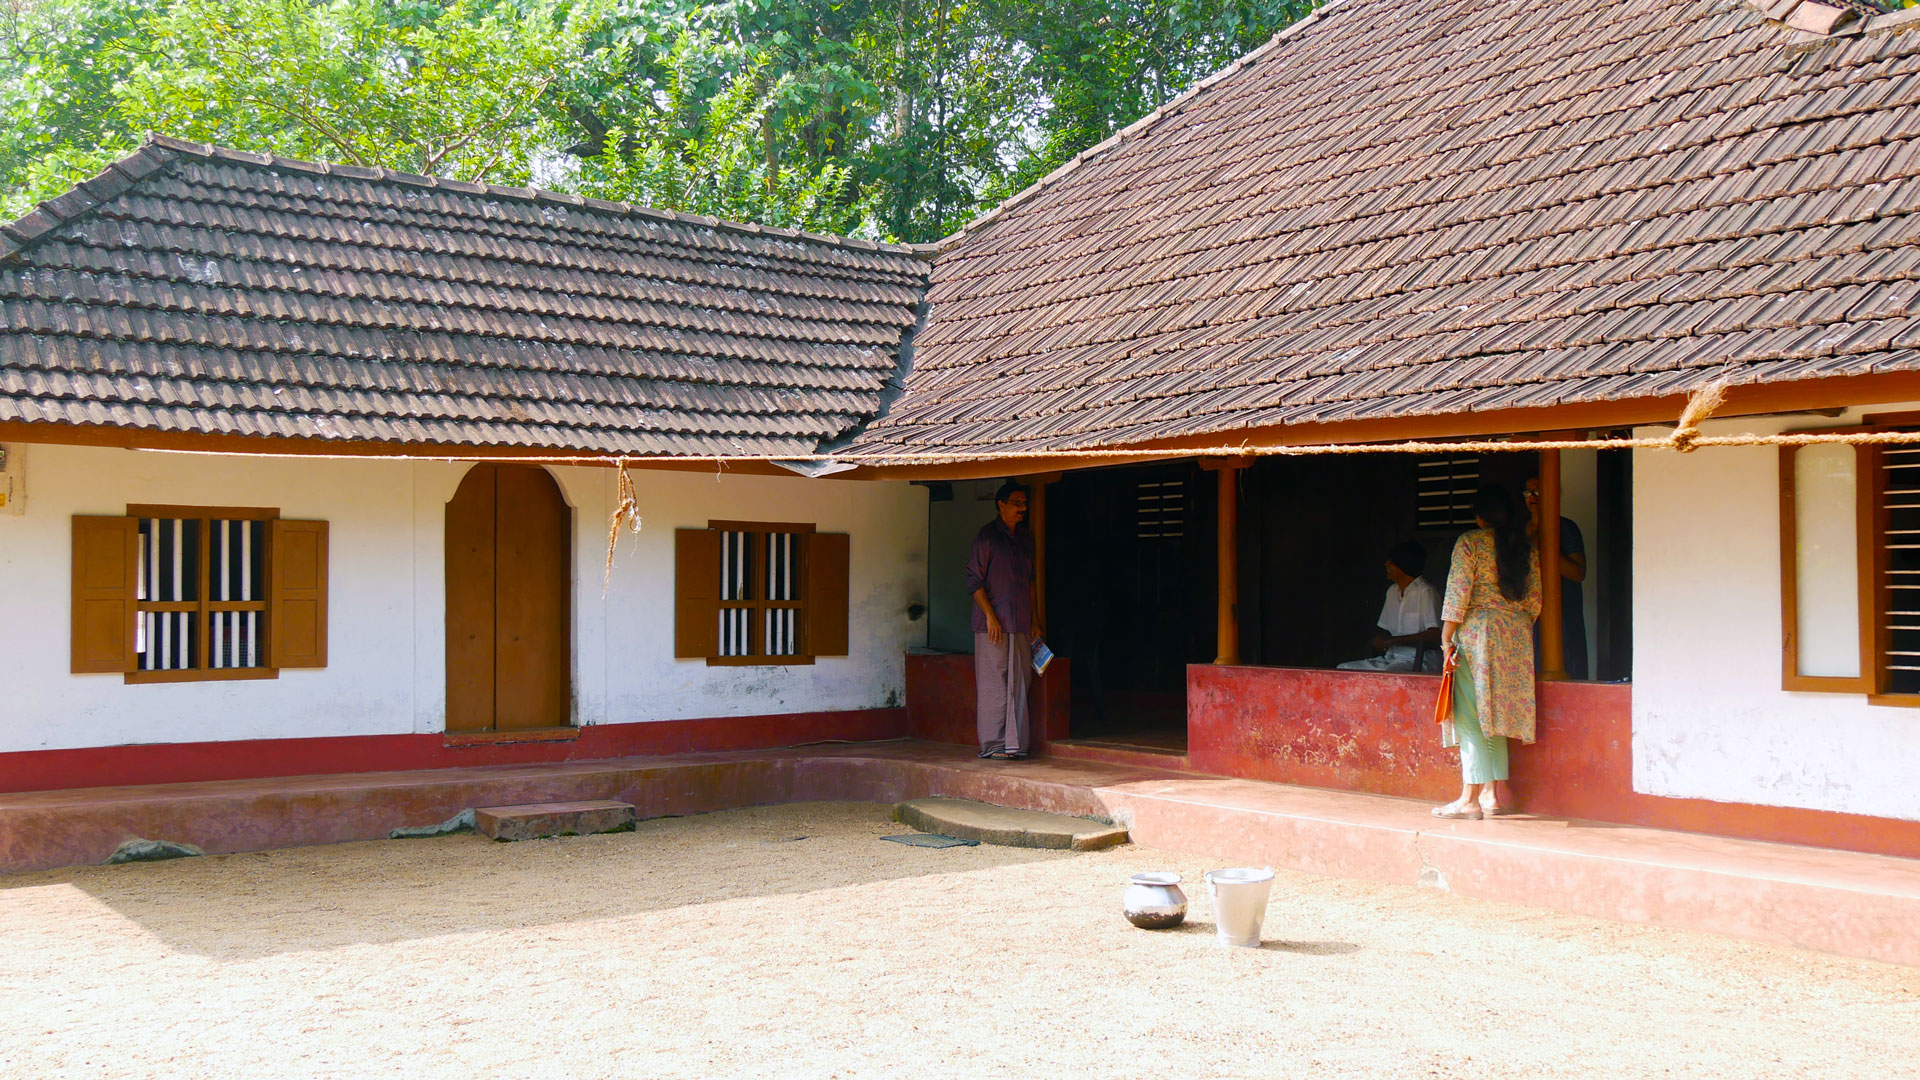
(1443, 708)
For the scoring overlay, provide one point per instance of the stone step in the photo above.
(531, 821)
(1006, 826)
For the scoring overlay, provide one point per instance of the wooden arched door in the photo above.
(509, 610)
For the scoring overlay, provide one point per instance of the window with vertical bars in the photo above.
(762, 604)
(1446, 486)
(200, 591)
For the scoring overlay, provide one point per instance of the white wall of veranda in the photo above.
(1710, 717)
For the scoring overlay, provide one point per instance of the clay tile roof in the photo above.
(195, 289)
(1400, 209)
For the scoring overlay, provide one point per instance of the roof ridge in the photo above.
(1173, 105)
(115, 180)
(211, 151)
(159, 150)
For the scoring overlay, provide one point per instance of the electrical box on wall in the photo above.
(13, 479)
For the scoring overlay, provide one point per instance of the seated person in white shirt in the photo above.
(1409, 619)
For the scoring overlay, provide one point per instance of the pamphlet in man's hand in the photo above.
(1042, 656)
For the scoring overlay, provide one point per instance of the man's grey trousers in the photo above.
(1000, 677)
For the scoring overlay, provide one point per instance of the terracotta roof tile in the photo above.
(198, 289)
(1462, 205)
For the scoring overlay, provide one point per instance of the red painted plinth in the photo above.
(248, 759)
(1374, 732)
(941, 702)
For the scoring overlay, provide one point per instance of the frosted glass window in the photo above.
(1826, 561)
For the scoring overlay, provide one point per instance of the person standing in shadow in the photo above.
(1005, 624)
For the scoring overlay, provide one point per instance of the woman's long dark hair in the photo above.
(1512, 551)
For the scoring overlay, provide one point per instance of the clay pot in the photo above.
(1154, 901)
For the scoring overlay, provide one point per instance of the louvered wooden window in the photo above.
(1446, 486)
(1850, 567)
(174, 593)
(1160, 509)
(1895, 472)
(759, 593)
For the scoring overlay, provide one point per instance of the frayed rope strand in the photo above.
(626, 510)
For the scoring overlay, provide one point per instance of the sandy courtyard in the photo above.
(791, 942)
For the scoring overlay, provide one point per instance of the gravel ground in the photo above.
(790, 942)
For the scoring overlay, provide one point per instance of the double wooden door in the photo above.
(509, 610)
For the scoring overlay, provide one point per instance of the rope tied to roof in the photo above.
(1700, 405)
(626, 511)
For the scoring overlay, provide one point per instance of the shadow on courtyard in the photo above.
(258, 904)
(1299, 948)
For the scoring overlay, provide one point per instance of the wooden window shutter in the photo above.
(696, 593)
(106, 554)
(827, 564)
(297, 594)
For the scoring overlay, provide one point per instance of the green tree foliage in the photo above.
(707, 153)
(60, 64)
(897, 118)
(455, 92)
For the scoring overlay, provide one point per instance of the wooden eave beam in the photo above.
(1800, 396)
(274, 446)
(1806, 395)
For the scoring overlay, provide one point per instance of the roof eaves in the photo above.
(1178, 102)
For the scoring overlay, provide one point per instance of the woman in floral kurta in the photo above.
(1489, 638)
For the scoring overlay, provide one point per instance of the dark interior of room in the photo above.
(1131, 574)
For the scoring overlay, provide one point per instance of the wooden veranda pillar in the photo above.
(1037, 523)
(1227, 557)
(1553, 645)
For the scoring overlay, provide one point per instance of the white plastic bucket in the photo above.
(1239, 904)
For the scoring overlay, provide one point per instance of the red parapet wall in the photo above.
(1333, 729)
(941, 701)
(1374, 732)
(253, 759)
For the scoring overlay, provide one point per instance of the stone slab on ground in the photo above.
(531, 821)
(1006, 826)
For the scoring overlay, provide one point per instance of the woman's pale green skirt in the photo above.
(1482, 760)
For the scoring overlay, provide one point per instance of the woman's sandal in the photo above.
(1458, 811)
(1492, 809)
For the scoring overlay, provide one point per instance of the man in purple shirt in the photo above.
(1000, 577)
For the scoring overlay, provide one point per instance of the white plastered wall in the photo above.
(1710, 719)
(887, 529)
(386, 640)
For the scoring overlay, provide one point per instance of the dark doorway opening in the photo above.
(1130, 596)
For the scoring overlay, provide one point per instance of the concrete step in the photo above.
(1119, 753)
(1006, 826)
(530, 821)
